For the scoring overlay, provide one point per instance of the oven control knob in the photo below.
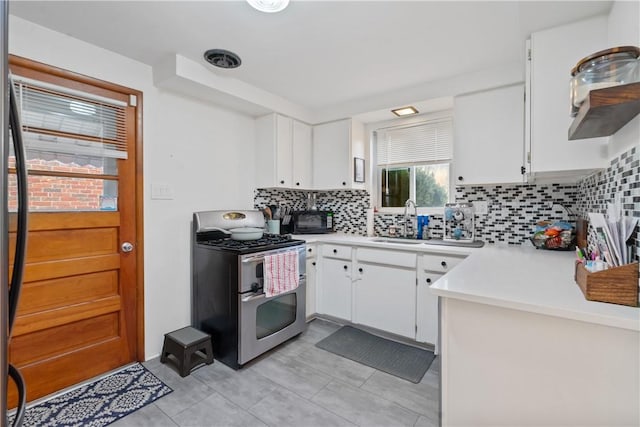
(254, 287)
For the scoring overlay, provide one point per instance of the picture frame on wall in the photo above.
(358, 169)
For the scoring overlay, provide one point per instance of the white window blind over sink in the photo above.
(425, 142)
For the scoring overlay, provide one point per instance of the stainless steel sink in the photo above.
(398, 240)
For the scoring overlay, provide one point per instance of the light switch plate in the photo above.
(482, 207)
(161, 192)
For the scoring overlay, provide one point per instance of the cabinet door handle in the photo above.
(335, 251)
(309, 250)
(443, 263)
(313, 263)
(428, 280)
(461, 178)
(282, 182)
(345, 267)
(360, 270)
(344, 183)
(297, 183)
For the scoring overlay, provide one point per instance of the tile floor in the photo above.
(296, 384)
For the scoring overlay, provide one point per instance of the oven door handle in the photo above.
(260, 258)
(252, 297)
(253, 259)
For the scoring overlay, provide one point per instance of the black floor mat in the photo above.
(403, 361)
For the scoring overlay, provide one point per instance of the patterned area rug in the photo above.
(100, 402)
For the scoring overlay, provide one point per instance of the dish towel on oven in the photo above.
(280, 273)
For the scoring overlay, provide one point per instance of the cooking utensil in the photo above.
(286, 218)
(267, 212)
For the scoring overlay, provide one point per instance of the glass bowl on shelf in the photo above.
(606, 68)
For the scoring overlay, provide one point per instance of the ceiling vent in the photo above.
(222, 58)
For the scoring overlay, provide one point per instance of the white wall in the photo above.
(198, 149)
(624, 30)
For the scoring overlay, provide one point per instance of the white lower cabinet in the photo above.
(426, 308)
(381, 288)
(311, 266)
(335, 293)
(385, 298)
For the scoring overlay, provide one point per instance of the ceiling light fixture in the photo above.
(405, 111)
(269, 6)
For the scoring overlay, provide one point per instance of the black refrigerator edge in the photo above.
(10, 287)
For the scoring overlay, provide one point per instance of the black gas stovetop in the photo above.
(267, 242)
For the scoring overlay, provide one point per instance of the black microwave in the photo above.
(312, 222)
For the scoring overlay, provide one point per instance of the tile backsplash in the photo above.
(349, 206)
(513, 209)
(512, 213)
(622, 179)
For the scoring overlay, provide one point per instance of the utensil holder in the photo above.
(615, 285)
(273, 226)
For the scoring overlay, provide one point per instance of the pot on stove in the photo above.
(242, 233)
(246, 233)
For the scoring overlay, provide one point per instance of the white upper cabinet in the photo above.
(489, 136)
(554, 52)
(302, 152)
(283, 153)
(335, 145)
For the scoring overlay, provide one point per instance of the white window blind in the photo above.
(60, 121)
(420, 143)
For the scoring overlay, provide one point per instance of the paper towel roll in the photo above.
(370, 231)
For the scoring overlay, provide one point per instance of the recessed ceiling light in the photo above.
(269, 6)
(405, 111)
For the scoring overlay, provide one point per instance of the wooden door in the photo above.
(80, 312)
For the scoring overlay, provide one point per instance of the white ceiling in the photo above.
(317, 54)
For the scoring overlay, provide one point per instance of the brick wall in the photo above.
(47, 193)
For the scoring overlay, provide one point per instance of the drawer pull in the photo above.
(309, 250)
(345, 267)
(313, 263)
(443, 263)
(360, 270)
(428, 280)
(335, 251)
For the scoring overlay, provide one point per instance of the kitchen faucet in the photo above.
(407, 204)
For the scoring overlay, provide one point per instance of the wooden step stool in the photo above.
(189, 346)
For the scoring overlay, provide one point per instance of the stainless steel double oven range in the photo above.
(228, 301)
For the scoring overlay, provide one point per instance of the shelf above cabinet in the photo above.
(605, 111)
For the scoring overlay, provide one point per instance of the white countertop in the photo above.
(350, 239)
(511, 276)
